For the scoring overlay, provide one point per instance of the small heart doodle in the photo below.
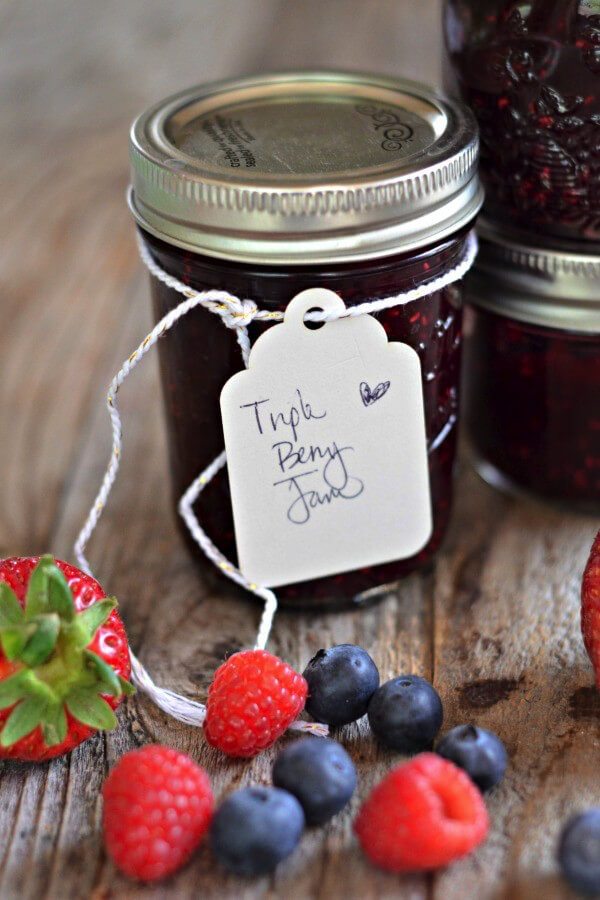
(369, 396)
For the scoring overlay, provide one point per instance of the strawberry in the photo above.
(423, 815)
(64, 658)
(158, 805)
(590, 607)
(253, 698)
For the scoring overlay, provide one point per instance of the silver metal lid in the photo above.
(554, 287)
(304, 167)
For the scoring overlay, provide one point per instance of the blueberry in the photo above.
(341, 681)
(255, 828)
(319, 773)
(479, 752)
(579, 852)
(406, 713)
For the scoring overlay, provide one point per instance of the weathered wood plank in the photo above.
(509, 655)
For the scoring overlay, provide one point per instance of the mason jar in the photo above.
(531, 74)
(272, 184)
(532, 369)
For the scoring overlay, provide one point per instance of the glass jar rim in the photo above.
(297, 167)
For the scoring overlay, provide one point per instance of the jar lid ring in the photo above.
(295, 168)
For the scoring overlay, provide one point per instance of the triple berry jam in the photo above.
(532, 369)
(270, 185)
(530, 71)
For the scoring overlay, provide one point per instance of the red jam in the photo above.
(531, 74)
(270, 185)
(532, 369)
(200, 354)
(533, 406)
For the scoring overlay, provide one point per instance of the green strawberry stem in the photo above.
(47, 641)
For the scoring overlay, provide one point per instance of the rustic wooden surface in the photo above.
(495, 625)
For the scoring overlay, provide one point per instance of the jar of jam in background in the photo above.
(532, 369)
(531, 74)
(276, 183)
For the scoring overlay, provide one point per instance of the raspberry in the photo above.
(423, 815)
(158, 804)
(590, 607)
(254, 697)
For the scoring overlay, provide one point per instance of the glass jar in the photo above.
(532, 370)
(531, 73)
(273, 184)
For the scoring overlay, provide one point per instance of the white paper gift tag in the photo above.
(326, 449)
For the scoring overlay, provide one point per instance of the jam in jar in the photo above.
(532, 370)
(270, 185)
(530, 71)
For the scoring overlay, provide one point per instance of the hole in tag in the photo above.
(313, 326)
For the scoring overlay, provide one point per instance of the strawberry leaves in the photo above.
(88, 707)
(12, 623)
(29, 635)
(59, 596)
(26, 716)
(37, 598)
(54, 725)
(14, 688)
(92, 618)
(48, 642)
(41, 636)
(11, 611)
(104, 675)
(24, 636)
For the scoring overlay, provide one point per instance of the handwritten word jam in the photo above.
(326, 450)
(315, 474)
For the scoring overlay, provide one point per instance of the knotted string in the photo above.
(236, 314)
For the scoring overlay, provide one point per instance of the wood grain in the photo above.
(494, 624)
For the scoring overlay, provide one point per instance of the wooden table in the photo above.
(495, 625)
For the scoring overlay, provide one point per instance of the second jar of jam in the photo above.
(532, 369)
(269, 185)
(530, 71)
